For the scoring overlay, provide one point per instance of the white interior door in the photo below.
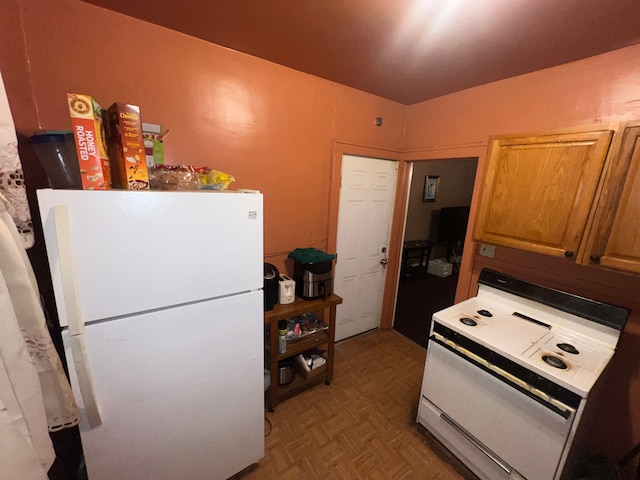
(366, 203)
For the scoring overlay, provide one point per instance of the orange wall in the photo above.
(277, 130)
(271, 127)
(599, 89)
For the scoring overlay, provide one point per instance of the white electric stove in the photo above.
(509, 371)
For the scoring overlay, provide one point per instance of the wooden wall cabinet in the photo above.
(322, 339)
(614, 237)
(572, 194)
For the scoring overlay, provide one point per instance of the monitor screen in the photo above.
(453, 224)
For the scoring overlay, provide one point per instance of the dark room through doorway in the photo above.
(437, 217)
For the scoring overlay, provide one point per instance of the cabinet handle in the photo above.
(594, 258)
(568, 254)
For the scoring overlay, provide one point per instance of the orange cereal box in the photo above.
(87, 121)
(126, 147)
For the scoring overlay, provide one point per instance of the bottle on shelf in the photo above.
(282, 337)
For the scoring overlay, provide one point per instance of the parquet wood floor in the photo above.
(362, 426)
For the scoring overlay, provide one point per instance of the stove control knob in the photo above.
(594, 258)
(568, 254)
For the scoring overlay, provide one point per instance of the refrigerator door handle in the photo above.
(68, 270)
(83, 374)
(74, 313)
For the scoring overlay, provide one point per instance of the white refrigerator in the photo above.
(159, 296)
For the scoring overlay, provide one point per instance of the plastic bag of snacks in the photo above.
(174, 177)
(215, 180)
(187, 177)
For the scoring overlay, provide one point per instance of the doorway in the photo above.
(439, 194)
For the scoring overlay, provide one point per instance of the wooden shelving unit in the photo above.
(320, 339)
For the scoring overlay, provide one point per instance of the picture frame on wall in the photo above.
(430, 188)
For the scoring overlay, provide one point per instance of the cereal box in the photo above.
(126, 147)
(153, 147)
(87, 121)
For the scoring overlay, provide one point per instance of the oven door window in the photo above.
(526, 434)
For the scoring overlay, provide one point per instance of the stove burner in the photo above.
(567, 347)
(554, 362)
(485, 313)
(468, 321)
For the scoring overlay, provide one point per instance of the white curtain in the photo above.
(35, 396)
(11, 176)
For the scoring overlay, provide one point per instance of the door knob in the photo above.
(383, 262)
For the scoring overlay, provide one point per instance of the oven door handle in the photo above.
(477, 443)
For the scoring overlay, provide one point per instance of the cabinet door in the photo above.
(538, 190)
(616, 238)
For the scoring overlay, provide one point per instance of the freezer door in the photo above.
(180, 392)
(137, 251)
